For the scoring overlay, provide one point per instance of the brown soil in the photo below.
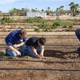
(59, 53)
(51, 55)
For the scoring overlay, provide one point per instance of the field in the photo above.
(60, 60)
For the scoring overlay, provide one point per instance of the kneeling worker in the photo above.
(15, 39)
(35, 47)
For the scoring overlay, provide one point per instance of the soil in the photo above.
(43, 70)
(33, 63)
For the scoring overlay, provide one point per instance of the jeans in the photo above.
(14, 54)
(28, 51)
(77, 32)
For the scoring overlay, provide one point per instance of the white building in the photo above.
(36, 14)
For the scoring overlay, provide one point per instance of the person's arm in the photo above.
(18, 45)
(42, 52)
(12, 48)
(22, 43)
(35, 52)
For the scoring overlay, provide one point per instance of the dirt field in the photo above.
(59, 63)
(41, 69)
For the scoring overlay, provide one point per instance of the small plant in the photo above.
(56, 24)
(37, 29)
(40, 25)
(70, 28)
(44, 26)
(9, 57)
(1, 56)
(27, 57)
(64, 26)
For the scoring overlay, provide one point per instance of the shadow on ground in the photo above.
(60, 54)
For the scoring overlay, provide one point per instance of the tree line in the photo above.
(73, 11)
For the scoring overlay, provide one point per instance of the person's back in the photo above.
(12, 37)
(32, 41)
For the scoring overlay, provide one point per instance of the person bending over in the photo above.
(35, 47)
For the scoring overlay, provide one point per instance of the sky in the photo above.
(6, 5)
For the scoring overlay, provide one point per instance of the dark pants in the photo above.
(77, 32)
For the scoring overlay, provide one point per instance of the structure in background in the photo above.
(36, 14)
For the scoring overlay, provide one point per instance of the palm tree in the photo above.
(42, 10)
(61, 10)
(61, 7)
(48, 8)
(57, 11)
(73, 8)
(32, 10)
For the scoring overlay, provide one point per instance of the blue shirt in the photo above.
(14, 38)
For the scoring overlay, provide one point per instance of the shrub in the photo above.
(44, 26)
(56, 24)
(5, 20)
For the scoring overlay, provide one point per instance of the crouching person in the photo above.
(16, 39)
(35, 47)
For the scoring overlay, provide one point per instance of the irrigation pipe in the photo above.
(40, 69)
(45, 61)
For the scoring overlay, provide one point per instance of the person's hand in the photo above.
(18, 53)
(41, 55)
(37, 55)
(15, 46)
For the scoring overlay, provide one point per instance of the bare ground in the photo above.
(52, 55)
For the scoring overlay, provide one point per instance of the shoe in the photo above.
(6, 54)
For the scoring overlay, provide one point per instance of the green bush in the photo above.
(44, 26)
(32, 20)
(29, 20)
(56, 24)
(5, 20)
(40, 25)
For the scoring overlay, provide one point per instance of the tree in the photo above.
(57, 11)
(25, 10)
(48, 8)
(14, 11)
(42, 10)
(61, 10)
(35, 10)
(74, 8)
